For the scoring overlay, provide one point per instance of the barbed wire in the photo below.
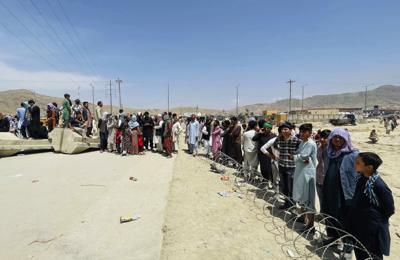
(264, 198)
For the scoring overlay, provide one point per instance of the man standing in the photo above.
(235, 134)
(22, 130)
(205, 136)
(87, 117)
(148, 131)
(287, 145)
(250, 150)
(66, 110)
(98, 114)
(193, 135)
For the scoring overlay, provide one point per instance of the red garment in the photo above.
(168, 141)
(168, 144)
(135, 141)
(140, 142)
(118, 137)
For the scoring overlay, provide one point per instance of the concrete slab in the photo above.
(66, 141)
(11, 145)
(57, 206)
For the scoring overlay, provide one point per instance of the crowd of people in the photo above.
(302, 163)
(25, 123)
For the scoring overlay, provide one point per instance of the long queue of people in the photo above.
(124, 133)
(306, 164)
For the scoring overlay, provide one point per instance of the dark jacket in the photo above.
(369, 223)
(148, 126)
(4, 125)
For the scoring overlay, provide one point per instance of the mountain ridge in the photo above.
(386, 96)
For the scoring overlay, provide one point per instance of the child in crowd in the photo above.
(371, 208)
(373, 136)
(304, 174)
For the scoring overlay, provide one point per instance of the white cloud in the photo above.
(12, 78)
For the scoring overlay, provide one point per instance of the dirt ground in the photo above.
(57, 206)
(200, 224)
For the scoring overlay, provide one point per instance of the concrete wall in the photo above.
(318, 118)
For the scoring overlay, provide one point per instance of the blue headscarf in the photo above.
(369, 188)
(132, 123)
(347, 146)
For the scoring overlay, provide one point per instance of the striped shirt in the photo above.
(286, 148)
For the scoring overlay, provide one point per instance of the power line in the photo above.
(53, 81)
(290, 82)
(237, 100)
(366, 96)
(302, 97)
(43, 45)
(30, 48)
(44, 28)
(55, 33)
(119, 92)
(68, 34)
(85, 52)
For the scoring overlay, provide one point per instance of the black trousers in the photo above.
(103, 141)
(286, 181)
(148, 140)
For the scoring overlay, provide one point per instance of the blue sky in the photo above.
(203, 49)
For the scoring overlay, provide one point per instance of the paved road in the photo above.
(73, 210)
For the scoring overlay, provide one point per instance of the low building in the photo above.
(316, 111)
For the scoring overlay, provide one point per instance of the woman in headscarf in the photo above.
(216, 140)
(127, 136)
(112, 123)
(340, 181)
(168, 136)
(135, 137)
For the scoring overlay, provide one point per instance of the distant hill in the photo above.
(11, 99)
(387, 96)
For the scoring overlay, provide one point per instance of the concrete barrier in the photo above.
(65, 140)
(11, 145)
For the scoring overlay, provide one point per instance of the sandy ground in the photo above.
(73, 211)
(200, 224)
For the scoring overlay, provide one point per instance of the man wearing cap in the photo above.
(262, 138)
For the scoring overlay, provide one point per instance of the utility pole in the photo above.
(366, 97)
(119, 92)
(79, 92)
(237, 100)
(290, 94)
(302, 98)
(168, 99)
(110, 99)
(92, 97)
